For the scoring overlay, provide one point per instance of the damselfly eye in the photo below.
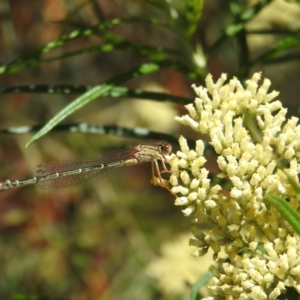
(165, 148)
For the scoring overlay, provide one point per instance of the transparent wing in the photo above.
(64, 182)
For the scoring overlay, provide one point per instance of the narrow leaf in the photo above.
(105, 90)
(287, 211)
(202, 281)
(82, 100)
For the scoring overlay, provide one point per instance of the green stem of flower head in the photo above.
(251, 125)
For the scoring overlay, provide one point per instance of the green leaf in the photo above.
(34, 59)
(284, 44)
(104, 90)
(82, 100)
(202, 281)
(193, 14)
(287, 211)
(148, 68)
(233, 29)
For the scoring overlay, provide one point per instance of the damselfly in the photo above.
(61, 175)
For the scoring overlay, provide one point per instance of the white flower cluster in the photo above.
(251, 136)
(264, 276)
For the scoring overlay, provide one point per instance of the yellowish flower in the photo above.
(177, 269)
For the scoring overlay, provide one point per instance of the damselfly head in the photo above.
(164, 147)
